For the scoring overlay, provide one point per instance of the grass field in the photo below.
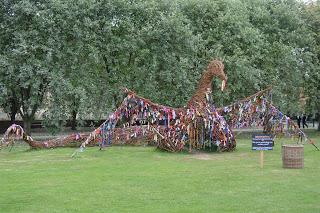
(142, 179)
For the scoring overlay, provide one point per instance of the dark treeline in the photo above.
(70, 58)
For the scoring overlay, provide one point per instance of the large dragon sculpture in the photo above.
(198, 125)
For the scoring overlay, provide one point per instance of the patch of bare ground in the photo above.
(203, 156)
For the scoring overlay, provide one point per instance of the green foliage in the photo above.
(312, 78)
(70, 58)
(26, 55)
(261, 42)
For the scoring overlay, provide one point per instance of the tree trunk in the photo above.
(14, 108)
(318, 121)
(12, 117)
(74, 120)
(27, 125)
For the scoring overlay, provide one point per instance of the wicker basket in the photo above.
(292, 156)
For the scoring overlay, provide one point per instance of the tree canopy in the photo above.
(70, 58)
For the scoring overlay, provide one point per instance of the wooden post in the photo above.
(261, 159)
(190, 140)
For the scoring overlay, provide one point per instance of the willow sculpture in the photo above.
(199, 125)
(196, 126)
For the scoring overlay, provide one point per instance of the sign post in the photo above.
(261, 159)
(262, 142)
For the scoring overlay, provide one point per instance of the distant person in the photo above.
(299, 121)
(304, 121)
(313, 118)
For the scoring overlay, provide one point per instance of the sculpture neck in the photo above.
(199, 97)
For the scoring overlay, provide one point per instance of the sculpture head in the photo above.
(216, 68)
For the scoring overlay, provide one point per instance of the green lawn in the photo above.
(142, 179)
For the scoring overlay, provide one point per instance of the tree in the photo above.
(146, 46)
(26, 55)
(70, 58)
(261, 42)
(312, 86)
(8, 100)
